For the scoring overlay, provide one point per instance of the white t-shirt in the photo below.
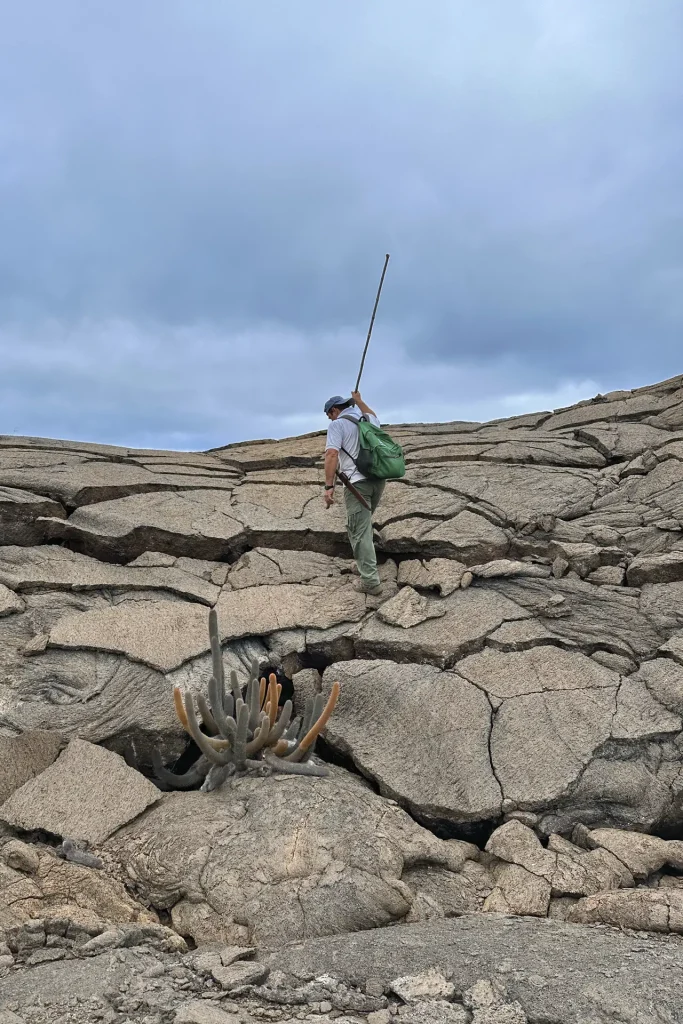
(342, 433)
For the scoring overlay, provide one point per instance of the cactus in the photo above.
(250, 733)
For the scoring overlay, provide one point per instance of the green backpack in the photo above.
(379, 457)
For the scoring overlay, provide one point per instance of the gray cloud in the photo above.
(195, 201)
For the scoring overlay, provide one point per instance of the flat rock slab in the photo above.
(470, 615)
(262, 610)
(9, 601)
(515, 492)
(568, 974)
(88, 793)
(50, 566)
(408, 608)
(537, 670)
(398, 722)
(25, 756)
(161, 634)
(166, 634)
(21, 513)
(200, 523)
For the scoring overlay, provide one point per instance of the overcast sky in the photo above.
(196, 197)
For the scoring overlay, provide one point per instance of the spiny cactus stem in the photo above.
(289, 768)
(207, 717)
(226, 724)
(282, 723)
(207, 747)
(317, 727)
(216, 653)
(195, 775)
(240, 744)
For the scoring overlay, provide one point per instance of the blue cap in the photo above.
(337, 402)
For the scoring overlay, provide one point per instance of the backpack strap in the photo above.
(355, 420)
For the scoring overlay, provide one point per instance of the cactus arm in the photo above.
(261, 692)
(216, 653)
(239, 750)
(227, 726)
(273, 697)
(282, 723)
(260, 737)
(179, 709)
(207, 718)
(193, 777)
(235, 687)
(216, 776)
(210, 749)
(253, 703)
(290, 768)
(317, 727)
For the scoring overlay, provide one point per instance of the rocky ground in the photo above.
(498, 835)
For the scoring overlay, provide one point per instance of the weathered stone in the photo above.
(441, 712)
(237, 975)
(642, 854)
(538, 670)
(541, 742)
(568, 870)
(166, 635)
(408, 608)
(269, 566)
(615, 662)
(423, 987)
(271, 860)
(664, 680)
(269, 608)
(51, 566)
(639, 716)
(88, 793)
(508, 567)
(436, 1011)
(444, 893)
(522, 635)
(21, 514)
(59, 891)
(466, 537)
(518, 891)
(197, 523)
(25, 756)
(488, 1001)
(607, 576)
(442, 574)
(200, 1011)
(470, 615)
(518, 494)
(556, 971)
(307, 683)
(21, 857)
(615, 792)
(9, 601)
(608, 617)
(651, 910)
(666, 567)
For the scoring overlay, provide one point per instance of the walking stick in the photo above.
(372, 321)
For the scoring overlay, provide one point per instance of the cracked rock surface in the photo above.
(507, 746)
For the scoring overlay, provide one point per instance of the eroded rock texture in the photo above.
(522, 670)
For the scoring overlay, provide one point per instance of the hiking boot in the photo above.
(368, 588)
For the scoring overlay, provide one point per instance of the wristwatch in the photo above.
(329, 487)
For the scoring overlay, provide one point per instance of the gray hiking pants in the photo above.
(359, 525)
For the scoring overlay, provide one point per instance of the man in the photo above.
(341, 450)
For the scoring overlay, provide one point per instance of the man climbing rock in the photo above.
(341, 451)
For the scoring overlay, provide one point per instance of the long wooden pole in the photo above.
(372, 321)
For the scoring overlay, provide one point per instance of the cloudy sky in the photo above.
(196, 197)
